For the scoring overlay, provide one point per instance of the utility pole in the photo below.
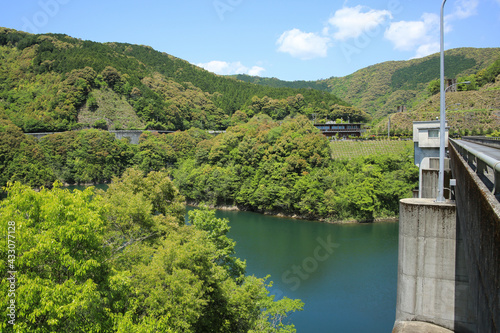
(389, 128)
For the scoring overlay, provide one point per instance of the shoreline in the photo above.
(299, 217)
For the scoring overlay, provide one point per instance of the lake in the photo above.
(345, 274)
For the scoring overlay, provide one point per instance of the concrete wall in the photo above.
(478, 218)
(449, 258)
(420, 154)
(429, 178)
(427, 268)
(133, 136)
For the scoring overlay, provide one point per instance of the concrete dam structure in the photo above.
(449, 253)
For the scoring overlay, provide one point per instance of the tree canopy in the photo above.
(125, 261)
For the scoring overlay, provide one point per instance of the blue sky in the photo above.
(290, 40)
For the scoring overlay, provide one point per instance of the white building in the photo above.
(426, 139)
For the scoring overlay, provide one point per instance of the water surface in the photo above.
(345, 274)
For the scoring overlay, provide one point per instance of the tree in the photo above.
(92, 103)
(141, 208)
(61, 271)
(111, 76)
(101, 124)
(179, 278)
(217, 230)
(433, 87)
(124, 261)
(239, 117)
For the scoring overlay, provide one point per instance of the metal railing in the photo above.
(487, 141)
(481, 138)
(483, 164)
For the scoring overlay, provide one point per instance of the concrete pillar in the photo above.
(429, 177)
(427, 262)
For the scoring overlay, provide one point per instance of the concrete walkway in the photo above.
(418, 327)
(490, 151)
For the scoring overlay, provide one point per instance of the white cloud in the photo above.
(256, 71)
(351, 22)
(408, 35)
(303, 45)
(427, 49)
(229, 68)
(423, 35)
(463, 9)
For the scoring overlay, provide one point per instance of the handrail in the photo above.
(482, 160)
(481, 138)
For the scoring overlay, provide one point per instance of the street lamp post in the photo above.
(442, 112)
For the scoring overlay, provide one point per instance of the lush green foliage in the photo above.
(21, 158)
(412, 77)
(158, 151)
(53, 82)
(381, 88)
(476, 81)
(62, 278)
(263, 166)
(489, 74)
(90, 156)
(277, 83)
(123, 261)
(494, 134)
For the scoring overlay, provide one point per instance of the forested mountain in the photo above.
(277, 83)
(380, 89)
(53, 82)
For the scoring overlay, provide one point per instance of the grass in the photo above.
(349, 149)
(112, 108)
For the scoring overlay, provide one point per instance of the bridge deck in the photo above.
(490, 151)
(488, 174)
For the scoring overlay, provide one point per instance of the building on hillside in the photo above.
(451, 85)
(401, 108)
(343, 130)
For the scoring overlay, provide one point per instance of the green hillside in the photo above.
(467, 113)
(380, 89)
(349, 149)
(54, 82)
(277, 83)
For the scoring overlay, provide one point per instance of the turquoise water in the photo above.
(345, 274)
